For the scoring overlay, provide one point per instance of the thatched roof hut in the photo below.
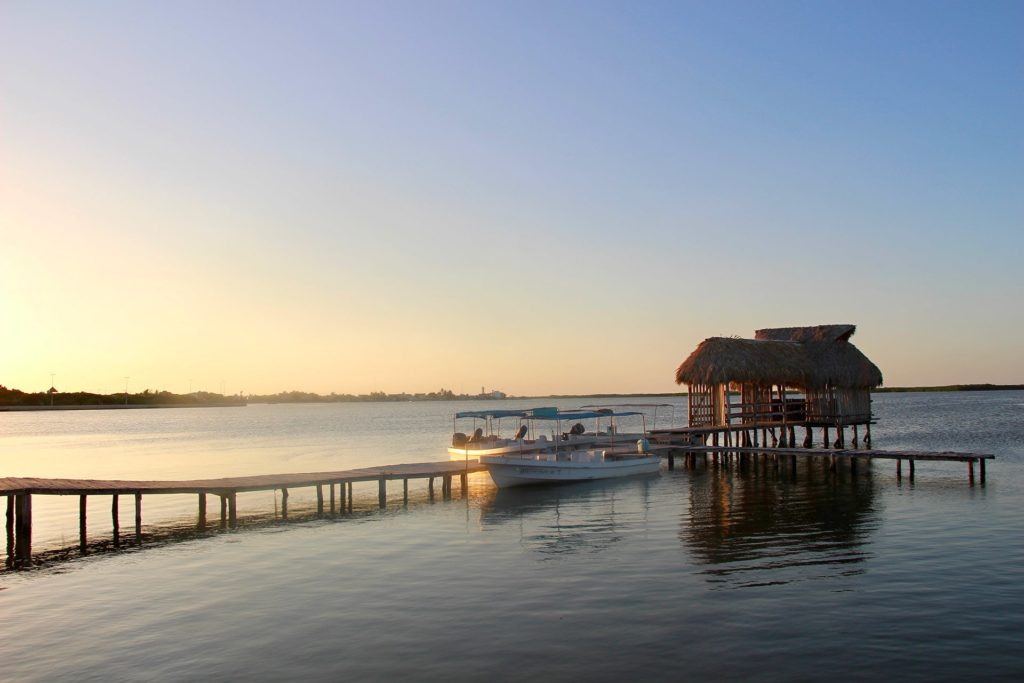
(833, 374)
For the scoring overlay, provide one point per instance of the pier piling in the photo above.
(82, 536)
(202, 511)
(116, 519)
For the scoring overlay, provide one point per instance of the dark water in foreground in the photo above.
(752, 575)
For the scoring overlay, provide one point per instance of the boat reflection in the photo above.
(755, 526)
(586, 517)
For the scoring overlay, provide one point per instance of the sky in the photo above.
(536, 197)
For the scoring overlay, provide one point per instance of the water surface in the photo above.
(751, 574)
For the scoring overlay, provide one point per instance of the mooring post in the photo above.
(284, 503)
(82, 539)
(232, 509)
(138, 517)
(319, 500)
(115, 518)
(10, 514)
(382, 492)
(23, 528)
(202, 511)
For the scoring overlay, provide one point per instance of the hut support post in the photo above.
(911, 461)
(82, 535)
(809, 437)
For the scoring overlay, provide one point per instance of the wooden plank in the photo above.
(17, 485)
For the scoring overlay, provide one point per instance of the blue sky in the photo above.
(539, 197)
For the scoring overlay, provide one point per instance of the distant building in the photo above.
(498, 394)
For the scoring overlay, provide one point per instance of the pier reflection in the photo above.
(587, 517)
(756, 525)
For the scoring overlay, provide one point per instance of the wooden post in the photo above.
(854, 436)
(382, 492)
(10, 514)
(138, 517)
(464, 483)
(970, 467)
(284, 503)
(911, 461)
(349, 495)
(232, 509)
(899, 469)
(405, 490)
(82, 536)
(332, 497)
(853, 466)
(202, 511)
(981, 468)
(430, 487)
(319, 500)
(867, 435)
(824, 437)
(116, 520)
(671, 462)
(223, 511)
(23, 528)
(809, 438)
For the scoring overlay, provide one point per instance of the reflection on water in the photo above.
(586, 517)
(756, 525)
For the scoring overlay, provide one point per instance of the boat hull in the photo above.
(508, 472)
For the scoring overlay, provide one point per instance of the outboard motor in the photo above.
(577, 429)
(458, 440)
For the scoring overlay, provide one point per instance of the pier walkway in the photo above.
(19, 492)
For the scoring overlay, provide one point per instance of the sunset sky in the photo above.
(538, 197)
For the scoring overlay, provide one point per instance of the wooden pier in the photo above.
(680, 443)
(19, 492)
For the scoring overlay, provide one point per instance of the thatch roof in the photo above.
(816, 357)
(815, 333)
(729, 359)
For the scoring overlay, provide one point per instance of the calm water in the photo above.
(684, 575)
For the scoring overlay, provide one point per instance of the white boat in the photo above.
(577, 456)
(567, 466)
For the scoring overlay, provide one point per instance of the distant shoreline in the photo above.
(398, 398)
(121, 406)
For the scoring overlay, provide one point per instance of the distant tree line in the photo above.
(16, 397)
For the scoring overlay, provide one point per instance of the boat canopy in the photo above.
(485, 414)
(580, 414)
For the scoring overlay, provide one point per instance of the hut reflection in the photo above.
(756, 526)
